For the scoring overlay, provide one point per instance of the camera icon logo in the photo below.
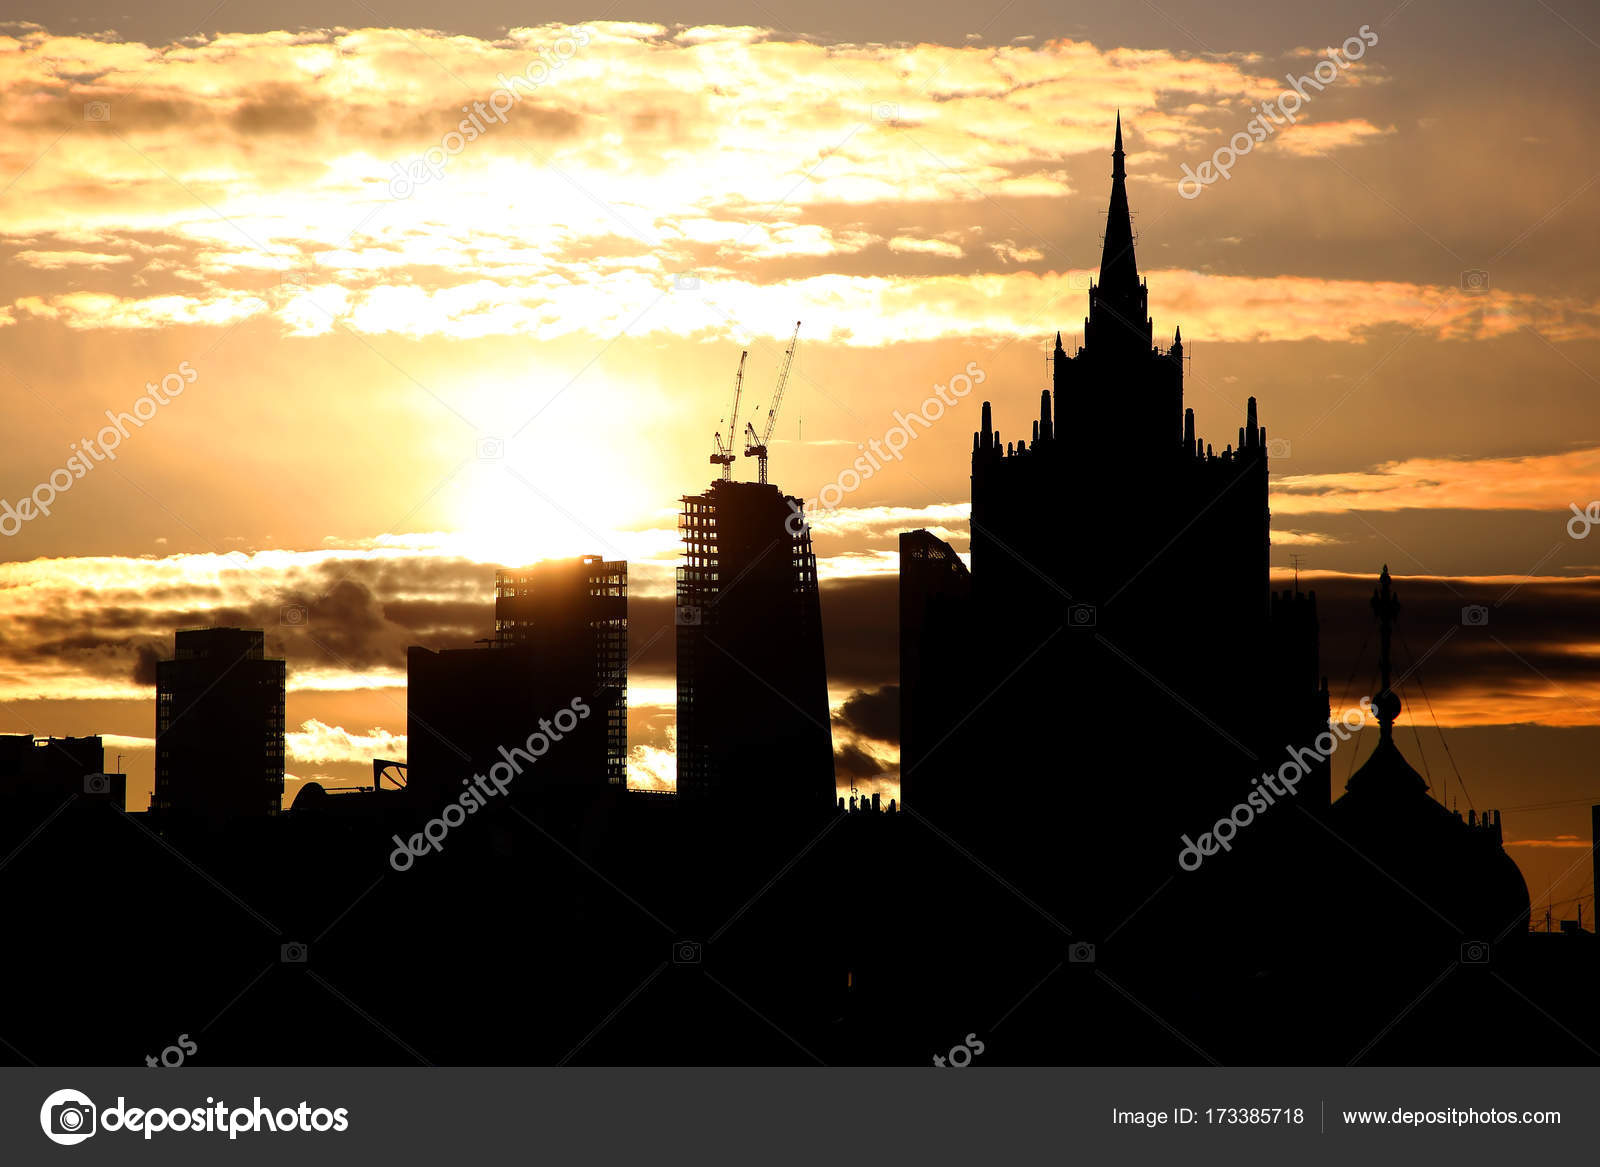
(1082, 615)
(1475, 280)
(686, 615)
(96, 784)
(1079, 281)
(1475, 615)
(686, 952)
(68, 1117)
(293, 280)
(1081, 953)
(97, 111)
(491, 449)
(686, 282)
(885, 111)
(1475, 952)
(293, 953)
(293, 615)
(1278, 447)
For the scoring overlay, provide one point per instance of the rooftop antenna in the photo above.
(1295, 559)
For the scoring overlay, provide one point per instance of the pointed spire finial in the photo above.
(1386, 606)
(1119, 272)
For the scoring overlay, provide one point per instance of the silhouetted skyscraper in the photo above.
(935, 643)
(219, 727)
(753, 718)
(1120, 678)
(569, 610)
(561, 636)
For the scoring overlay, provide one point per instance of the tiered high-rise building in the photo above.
(1121, 670)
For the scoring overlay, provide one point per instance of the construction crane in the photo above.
(756, 447)
(725, 455)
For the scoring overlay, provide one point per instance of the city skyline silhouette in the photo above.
(1223, 675)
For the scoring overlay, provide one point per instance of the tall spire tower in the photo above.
(1118, 306)
(1119, 273)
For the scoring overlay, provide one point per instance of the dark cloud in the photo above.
(873, 713)
(861, 630)
(652, 643)
(852, 762)
(144, 664)
(280, 109)
(1517, 638)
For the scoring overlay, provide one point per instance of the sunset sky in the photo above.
(395, 378)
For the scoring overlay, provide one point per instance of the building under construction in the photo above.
(753, 726)
(752, 684)
(561, 635)
(576, 610)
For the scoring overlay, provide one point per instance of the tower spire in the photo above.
(1386, 606)
(1386, 775)
(1118, 308)
(1119, 274)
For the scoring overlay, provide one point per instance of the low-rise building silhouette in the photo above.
(49, 770)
